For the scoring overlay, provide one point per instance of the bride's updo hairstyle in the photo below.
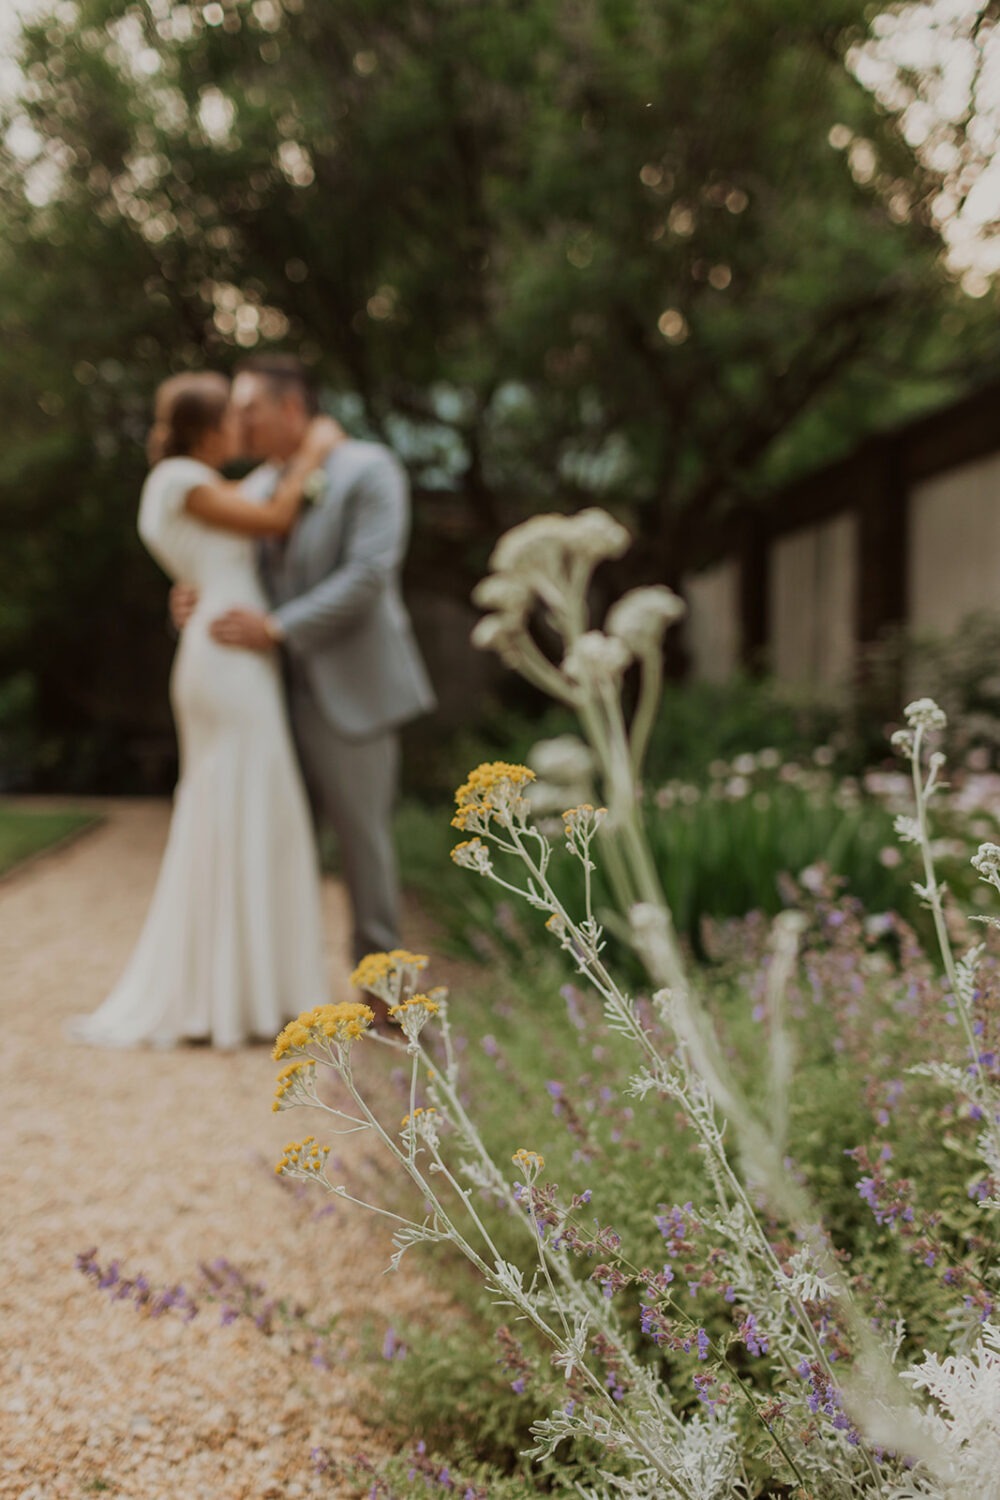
(185, 408)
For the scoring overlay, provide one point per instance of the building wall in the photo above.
(904, 532)
(712, 623)
(812, 588)
(954, 553)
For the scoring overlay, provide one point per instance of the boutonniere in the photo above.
(315, 487)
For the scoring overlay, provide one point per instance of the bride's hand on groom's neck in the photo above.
(322, 436)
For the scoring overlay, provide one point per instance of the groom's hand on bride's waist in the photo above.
(246, 628)
(182, 604)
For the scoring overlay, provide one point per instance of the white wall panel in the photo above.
(954, 554)
(711, 626)
(813, 592)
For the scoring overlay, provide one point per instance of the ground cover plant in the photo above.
(27, 831)
(756, 1337)
(727, 838)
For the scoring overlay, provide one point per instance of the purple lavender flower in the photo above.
(754, 1339)
(704, 1382)
(392, 1347)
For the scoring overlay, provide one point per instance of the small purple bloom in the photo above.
(392, 1347)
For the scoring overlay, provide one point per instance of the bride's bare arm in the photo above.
(226, 505)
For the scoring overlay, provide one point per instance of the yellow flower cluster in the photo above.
(415, 1002)
(583, 821)
(492, 788)
(472, 854)
(376, 968)
(420, 1110)
(528, 1161)
(327, 1023)
(303, 1156)
(287, 1079)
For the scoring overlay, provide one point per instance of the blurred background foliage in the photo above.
(640, 252)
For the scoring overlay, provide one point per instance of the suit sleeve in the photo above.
(377, 526)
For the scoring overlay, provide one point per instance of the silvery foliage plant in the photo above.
(834, 1412)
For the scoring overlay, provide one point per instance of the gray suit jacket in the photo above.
(334, 587)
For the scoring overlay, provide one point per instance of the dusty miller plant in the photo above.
(834, 1412)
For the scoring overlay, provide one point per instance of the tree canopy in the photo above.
(643, 252)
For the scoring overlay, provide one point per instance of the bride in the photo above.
(231, 946)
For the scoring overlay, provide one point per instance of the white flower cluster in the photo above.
(565, 759)
(640, 617)
(986, 861)
(596, 660)
(549, 561)
(923, 713)
(902, 740)
(565, 770)
(552, 542)
(547, 557)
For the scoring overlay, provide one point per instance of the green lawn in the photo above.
(26, 831)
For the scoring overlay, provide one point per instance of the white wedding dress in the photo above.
(232, 943)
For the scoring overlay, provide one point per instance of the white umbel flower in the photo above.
(509, 596)
(564, 759)
(538, 543)
(598, 536)
(596, 658)
(986, 861)
(499, 633)
(545, 544)
(923, 713)
(641, 617)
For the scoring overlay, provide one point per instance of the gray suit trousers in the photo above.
(352, 786)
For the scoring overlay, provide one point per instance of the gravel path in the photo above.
(163, 1160)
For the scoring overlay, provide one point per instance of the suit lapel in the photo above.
(316, 537)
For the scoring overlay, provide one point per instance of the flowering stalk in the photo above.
(332, 1030)
(594, 664)
(796, 1307)
(924, 717)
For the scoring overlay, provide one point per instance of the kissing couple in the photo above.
(296, 667)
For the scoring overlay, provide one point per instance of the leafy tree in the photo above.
(640, 251)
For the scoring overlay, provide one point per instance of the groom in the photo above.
(353, 670)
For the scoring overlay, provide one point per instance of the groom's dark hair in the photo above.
(283, 373)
